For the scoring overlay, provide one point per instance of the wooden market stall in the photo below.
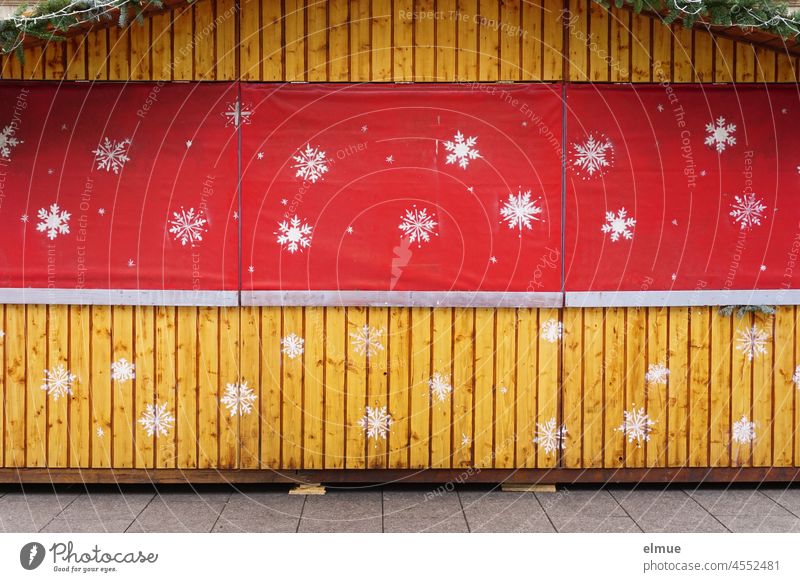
(540, 386)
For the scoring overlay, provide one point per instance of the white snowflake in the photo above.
(636, 425)
(747, 211)
(100, 432)
(657, 374)
(187, 226)
(551, 330)
(720, 134)
(251, 269)
(440, 386)
(157, 420)
(752, 341)
(101, 211)
(418, 226)
(53, 222)
(619, 224)
(550, 436)
(743, 431)
(503, 390)
(23, 218)
(294, 234)
(796, 377)
(366, 341)
(131, 263)
(238, 399)
(519, 211)
(389, 159)
(311, 164)
(376, 423)
(7, 142)
(58, 382)
(593, 157)
(292, 345)
(112, 155)
(237, 114)
(461, 150)
(122, 370)
(465, 440)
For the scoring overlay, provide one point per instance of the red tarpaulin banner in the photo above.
(114, 186)
(682, 188)
(392, 188)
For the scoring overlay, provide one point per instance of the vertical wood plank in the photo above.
(532, 40)
(100, 390)
(745, 63)
(294, 45)
(292, 401)
(657, 393)
(592, 402)
(723, 60)
(547, 400)
(463, 386)
(784, 401)
(763, 365)
(187, 370)
(359, 41)
(122, 387)
(145, 383)
(314, 388)
(339, 38)
(226, 39)
(76, 57)
(678, 389)
(399, 386)
(36, 425)
(271, 387)
(441, 407)
(420, 391)
(80, 426)
(662, 53)
(161, 49)
(203, 37)
(682, 39)
(165, 382)
(229, 375)
(553, 41)
(599, 48)
(57, 358)
(403, 40)
(208, 381)
(614, 389)
(741, 389)
(483, 402)
(578, 51)
(317, 45)
(446, 41)
(140, 50)
(272, 39)
(719, 416)
(250, 424)
(489, 39)
(16, 384)
(118, 54)
(336, 339)
(381, 49)
(620, 45)
(356, 385)
(703, 57)
(505, 392)
(467, 53)
(424, 43)
(572, 386)
(635, 373)
(528, 340)
(699, 386)
(377, 385)
(509, 31)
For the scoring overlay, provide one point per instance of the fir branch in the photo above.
(741, 310)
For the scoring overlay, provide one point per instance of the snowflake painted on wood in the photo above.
(238, 399)
(752, 341)
(461, 150)
(292, 345)
(636, 425)
(376, 423)
(188, 226)
(519, 210)
(796, 377)
(747, 211)
(122, 370)
(294, 234)
(58, 382)
(112, 155)
(418, 226)
(720, 134)
(743, 431)
(550, 436)
(440, 386)
(593, 157)
(237, 114)
(619, 224)
(657, 374)
(551, 330)
(7, 142)
(311, 164)
(465, 440)
(366, 341)
(54, 221)
(157, 420)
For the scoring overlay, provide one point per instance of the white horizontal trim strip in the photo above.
(403, 298)
(26, 296)
(705, 297)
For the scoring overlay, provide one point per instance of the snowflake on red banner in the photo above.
(112, 155)
(747, 211)
(188, 226)
(720, 134)
(53, 222)
(461, 150)
(7, 142)
(237, 114)
(519, 210)
(294, 234)
(418, 226)
(311, 164)
(619, 224)
(594, 157)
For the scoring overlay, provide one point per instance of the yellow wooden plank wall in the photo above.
(509, 383)
(381, 40)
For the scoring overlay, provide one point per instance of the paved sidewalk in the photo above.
(385, 509)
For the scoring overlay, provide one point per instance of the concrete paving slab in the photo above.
(165, 514)
(262, 512)
(766, 524)
(737, 502)
(584, 503)
(657, 504)
(503, 512)
(610, 524)
(787, 497)
(345, 511)
(422, 510)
